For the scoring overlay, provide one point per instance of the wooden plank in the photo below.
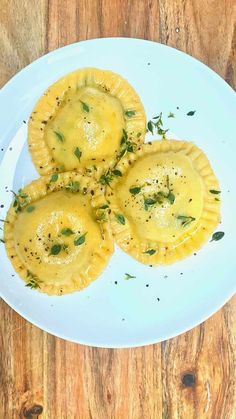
(192, 376)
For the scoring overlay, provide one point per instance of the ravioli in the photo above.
(56, 233)
(87, 119)
(166, 203)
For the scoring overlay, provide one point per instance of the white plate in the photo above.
(161, 302)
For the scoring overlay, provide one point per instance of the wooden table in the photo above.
(189, 377)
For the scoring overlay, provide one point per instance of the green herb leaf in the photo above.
(60, 136)
(139, 134)
(33, 281)
(117, 172)
(128, 276)
(214, 192)
(105, 206)
(191, 113)
(217, 236)
(135, 190)
(171, 197)
(171, 115)
(150, 126)
(85, 106)
(2, 241)
(55, 249)
(80, 240)
(129, 114)
(78, 153)
(30, 208)
(120, 219)
(67, 231)
(185, 220)
(54, 177)
(148, 202)
(150, 252)
(107, 178)
(73, 186)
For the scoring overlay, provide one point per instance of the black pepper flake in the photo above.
(147, 285)
(10, 148)
(149, 142)
(158, 299)
(190, 200)
(195, 254)
(149, 63)
(103, 160)
(24, 122)
(116, 282)
(151, 266)
(92, 193)
(181, 273)
(1, 149)
(123, 320)
(2, 206)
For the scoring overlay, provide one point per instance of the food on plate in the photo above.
(56, 233)
(165, 204)
(88, 118)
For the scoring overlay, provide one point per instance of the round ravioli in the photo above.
(166, 203)
(89, 118)
(56, 233)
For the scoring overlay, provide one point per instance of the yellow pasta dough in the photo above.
(55, 236)
(163, 207)
(86, 119)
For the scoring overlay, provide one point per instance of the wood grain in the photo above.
(189, 377)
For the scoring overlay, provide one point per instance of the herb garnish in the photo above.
(33, 281)
(2, 241)
(149, 202)
(217, 236)
(78, 153)
(21, 200)
(150, 252)
(55, 249)
(108, 177)
(171, 115)
(185, 220)
(120, 219)
(67, 231)
(73, 186)
(134, 190)
(30, 208)
(60, 136)
(129, 114)
(80, 240)
(54, 177)
(214, 192)
(128, 276)
(126, 145)
(85, 106)
(158, 124)
(191, 113)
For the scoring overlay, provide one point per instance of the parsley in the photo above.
(54, 177)
(150, 126)
(171, 115)
(55, 249)
(2, 241)
(129, 114)
(105, 206)
(128, 276)
(120, 219)
(139, 134)
(85, 106)
(30, 208)
(185, 220)
(73, 186)
(191, 113)
(78, 153)
(134, 190)
(217, 236)
(67, 231)
(80, 240)
(150, 252)
(214, 192)
(60, 136)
